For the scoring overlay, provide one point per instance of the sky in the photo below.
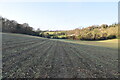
(60, 15)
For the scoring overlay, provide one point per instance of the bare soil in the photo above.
(33, 57)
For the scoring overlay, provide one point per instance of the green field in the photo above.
(113, 43)
(57, 34)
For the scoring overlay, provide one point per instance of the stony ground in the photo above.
(30, 57)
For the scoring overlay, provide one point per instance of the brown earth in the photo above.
(33, 57)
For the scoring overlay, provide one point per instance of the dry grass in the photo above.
(113, 43)
(110, 41)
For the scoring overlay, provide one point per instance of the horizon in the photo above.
(61, 15)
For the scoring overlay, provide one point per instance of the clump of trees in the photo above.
(95, 32)
(11, 26)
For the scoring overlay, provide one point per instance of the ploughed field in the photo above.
(25, 56)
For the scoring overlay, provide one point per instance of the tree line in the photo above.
(12, 26)
(94, 32)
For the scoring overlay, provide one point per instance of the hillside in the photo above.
(94, 32)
